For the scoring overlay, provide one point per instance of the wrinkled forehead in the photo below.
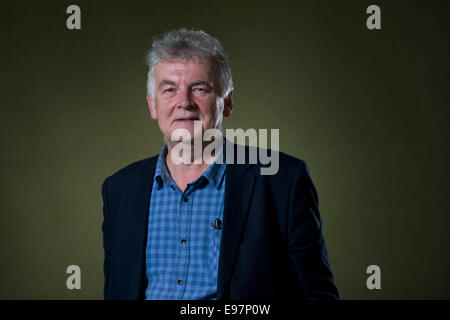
(195, 66)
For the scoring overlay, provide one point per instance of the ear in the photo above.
(228, 105)
(151, 107)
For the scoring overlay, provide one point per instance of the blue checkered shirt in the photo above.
(182, 251)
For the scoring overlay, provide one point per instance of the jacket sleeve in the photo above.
(306, 243)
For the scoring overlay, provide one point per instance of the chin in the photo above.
(182, 134)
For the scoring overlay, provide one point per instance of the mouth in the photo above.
(187, 119)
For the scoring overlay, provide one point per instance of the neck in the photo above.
(187, 171)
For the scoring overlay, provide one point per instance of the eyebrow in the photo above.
(200, 82)
(166, 82)
(196, 83)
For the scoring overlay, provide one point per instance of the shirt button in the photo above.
(183, 241)
(185, 199)
(180, 281)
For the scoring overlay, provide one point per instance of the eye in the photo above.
(199, 89)
(169, 90)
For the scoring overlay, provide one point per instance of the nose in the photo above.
(185, 99)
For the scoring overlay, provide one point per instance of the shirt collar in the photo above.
(161, 172)
(214, 173)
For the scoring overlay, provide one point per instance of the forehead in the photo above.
(180, 69)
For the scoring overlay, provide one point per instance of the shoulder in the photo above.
(292, 164)
(281, 164)
(137, 168)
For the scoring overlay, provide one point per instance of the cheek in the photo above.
(207, 106)
(165, 108)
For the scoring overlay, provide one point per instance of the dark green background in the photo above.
(368, 111)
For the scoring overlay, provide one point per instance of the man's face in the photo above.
(186, 91)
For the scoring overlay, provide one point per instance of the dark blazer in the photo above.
(272, 244)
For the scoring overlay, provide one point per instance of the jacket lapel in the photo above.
(138, 198)
(238, 191)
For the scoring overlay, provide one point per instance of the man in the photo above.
(208, 229)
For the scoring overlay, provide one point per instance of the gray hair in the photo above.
(186, 44)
